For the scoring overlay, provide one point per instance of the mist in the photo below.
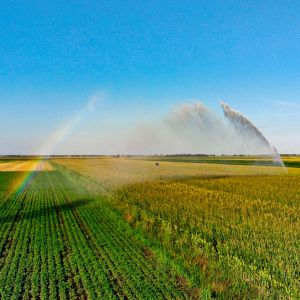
(188, 128)
(195, 129)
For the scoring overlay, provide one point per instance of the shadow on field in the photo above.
(20, 215)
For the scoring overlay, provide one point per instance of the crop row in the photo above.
(121, 256)
(57, 242)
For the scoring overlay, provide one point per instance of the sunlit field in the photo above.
(24, 165)
(148, 228)
(60, 241)
(116, 172)
(228, 230)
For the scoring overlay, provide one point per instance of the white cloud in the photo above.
(287, 104)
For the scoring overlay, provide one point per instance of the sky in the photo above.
(82, 77)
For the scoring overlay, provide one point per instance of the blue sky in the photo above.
(145, 57)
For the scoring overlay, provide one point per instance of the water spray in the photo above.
(244, 126)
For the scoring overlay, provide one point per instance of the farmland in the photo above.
(289, 161)
(115, 228)
(24, 165)
(231, 230)
(115, 172)
(60, 241)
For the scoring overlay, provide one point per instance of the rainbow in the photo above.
(21, 182)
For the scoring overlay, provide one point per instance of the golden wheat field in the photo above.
(25, 166)
(230, 231)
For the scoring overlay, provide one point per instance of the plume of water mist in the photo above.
(243, 124)
(245, 127)
(277, 159)
(192, 128)
(199, 129)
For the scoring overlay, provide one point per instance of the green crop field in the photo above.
(115, 228)
(58, 241)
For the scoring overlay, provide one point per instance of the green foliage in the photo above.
(128, 229)
(58, 241)
(235, 236)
